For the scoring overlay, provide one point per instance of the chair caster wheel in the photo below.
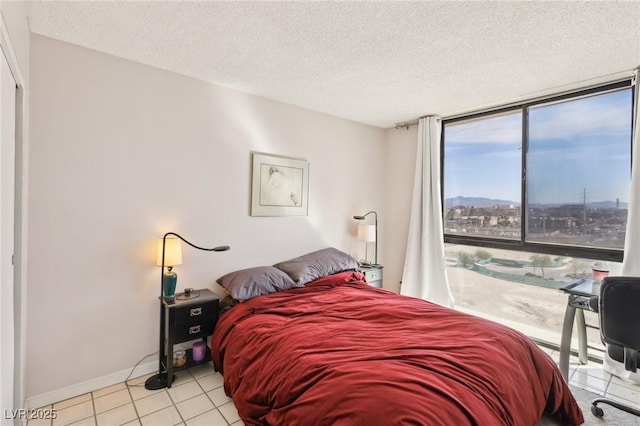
(597, 411)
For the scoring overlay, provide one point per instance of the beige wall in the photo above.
(121, 153)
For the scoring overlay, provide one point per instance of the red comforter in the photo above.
(340, 352)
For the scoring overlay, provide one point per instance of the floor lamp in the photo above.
(366, 233)
(168, 279)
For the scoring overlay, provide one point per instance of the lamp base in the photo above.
(157, 381)
(169, 281)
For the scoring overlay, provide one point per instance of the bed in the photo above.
(337, 351)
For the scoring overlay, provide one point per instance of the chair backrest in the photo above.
(619, 310)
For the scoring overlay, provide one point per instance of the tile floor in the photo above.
(593, 378)
(197, 398)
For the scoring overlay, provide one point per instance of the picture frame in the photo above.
(279, 185)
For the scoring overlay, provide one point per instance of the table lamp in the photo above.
(366, 233)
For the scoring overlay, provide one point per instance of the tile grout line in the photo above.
(112, 408)
(133, 402)
(160, 409)
(93, 405)
(183, 421)
(215, 406)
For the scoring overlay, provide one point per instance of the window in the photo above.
(483, 200)
(547, 176)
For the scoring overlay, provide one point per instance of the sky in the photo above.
(576, 147)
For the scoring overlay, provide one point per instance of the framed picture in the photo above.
(279, 186)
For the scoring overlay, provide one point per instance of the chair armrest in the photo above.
(593, 303)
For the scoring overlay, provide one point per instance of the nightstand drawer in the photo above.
(197, 313)
(373, 274)
(184, 332)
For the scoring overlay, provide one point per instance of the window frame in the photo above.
(607, 254)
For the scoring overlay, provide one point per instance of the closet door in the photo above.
(7, 192)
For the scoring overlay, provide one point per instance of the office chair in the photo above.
(619, 313)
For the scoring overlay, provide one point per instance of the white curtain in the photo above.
(424, 274)
(631, 262)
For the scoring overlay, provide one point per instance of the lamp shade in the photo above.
(172, 252)
(367, 233)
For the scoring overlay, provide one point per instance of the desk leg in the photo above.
(582, 336)
(565, 341)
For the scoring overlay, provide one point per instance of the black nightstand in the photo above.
(182, 320)
(373, 274)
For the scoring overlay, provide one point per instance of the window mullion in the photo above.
(523, 192)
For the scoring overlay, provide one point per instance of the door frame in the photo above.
(20, 216)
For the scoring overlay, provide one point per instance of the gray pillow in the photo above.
(318, 264)
(247, 283)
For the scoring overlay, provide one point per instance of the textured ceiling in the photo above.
(378, 63)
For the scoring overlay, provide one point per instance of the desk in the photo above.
(579, 293)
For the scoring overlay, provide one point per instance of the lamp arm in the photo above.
(218, 248)
(164, 240)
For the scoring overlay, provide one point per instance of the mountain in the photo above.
(477, 202)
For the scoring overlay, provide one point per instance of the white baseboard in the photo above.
(78, 389)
